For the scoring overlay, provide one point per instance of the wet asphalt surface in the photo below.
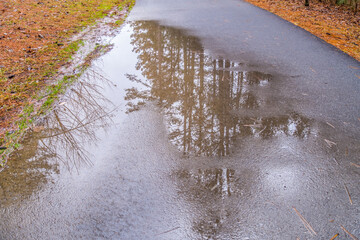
(207, 120)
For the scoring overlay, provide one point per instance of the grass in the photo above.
(34, 43)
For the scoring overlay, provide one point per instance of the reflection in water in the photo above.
(217, 193)
(202, 96)
(74, 122)
(27, 173)
(218, 181)
(61, 136)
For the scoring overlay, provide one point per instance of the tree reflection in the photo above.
(208, 187)
(217, 193)
(74, 122)
(59, 137)
(202, 96)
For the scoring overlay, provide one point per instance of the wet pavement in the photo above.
(207, 120)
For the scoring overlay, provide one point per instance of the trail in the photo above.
(212, 120)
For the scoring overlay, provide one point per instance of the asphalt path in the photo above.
(207, 120)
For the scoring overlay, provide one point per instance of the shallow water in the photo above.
(163, 139)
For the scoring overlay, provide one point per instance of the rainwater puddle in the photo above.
(100, 164)
(208, 102)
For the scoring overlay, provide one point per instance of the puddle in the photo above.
(218, 195)
(104, 160)
(218, 181)
(208, 102)
(59, 141)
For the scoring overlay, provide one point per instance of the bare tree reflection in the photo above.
(218, 193)
(74, 121)
(59, 137)
(212, 184)
(202, 97)
(219, 181)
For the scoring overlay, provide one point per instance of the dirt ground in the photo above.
(337, 25)
(34, 44)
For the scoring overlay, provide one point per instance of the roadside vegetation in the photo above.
(35, 42)
(335, 21)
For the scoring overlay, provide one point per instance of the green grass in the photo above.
(29, 113)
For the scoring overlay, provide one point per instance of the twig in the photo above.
(263, 129)
(306, 223)
(352, 236)
(214, 187)
(330, 125)
(347, 191)
(167, 231)
(335, 236)
(354, 164)
(252, 125)
(336, 161)
(330, 143)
